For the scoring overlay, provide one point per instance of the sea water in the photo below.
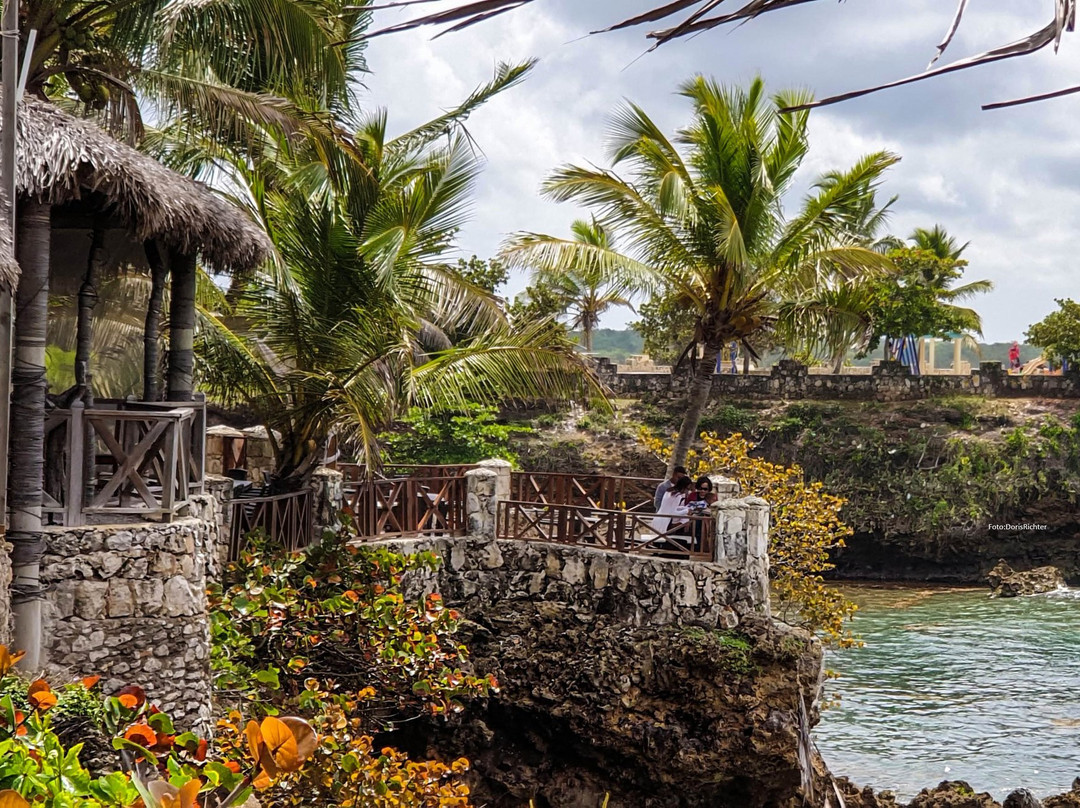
(954, 685)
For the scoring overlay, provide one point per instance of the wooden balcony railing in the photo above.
(584, 490)
(123, 458)
(356, 473)
(409, 506)
(617, 530)
(285, 520)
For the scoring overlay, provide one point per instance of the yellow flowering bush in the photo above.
(804, 527)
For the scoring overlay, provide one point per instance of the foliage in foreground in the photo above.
(330, 635)
(152, 765)
(804, 527)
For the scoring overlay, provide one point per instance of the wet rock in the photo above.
(952, 794)
(1021, 798)
(1005, 582)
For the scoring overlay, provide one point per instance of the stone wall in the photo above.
(639, 590)
(128, 603)
(888, 381)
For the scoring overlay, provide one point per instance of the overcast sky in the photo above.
(1007, 181)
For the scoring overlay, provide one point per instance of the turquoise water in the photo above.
(954, 685)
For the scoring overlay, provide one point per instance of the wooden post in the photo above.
(159, 273)
(77, 462)
(182, 328)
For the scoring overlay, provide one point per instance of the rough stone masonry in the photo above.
(128, 603)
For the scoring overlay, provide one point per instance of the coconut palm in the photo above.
(365, 316)
(702, 215)
(224, 63)
(585, 291)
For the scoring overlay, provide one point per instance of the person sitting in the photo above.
(672, 507)
(676, 474)
(703, 492)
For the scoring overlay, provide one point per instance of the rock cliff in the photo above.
(648, 717)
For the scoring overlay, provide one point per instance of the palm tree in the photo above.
(585, 291)
(364, 316)
(706, 222)
(941, 275)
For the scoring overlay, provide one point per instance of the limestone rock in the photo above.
(952, 794)
(1005, 582)
(1021, 798)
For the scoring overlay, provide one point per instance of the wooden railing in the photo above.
(123, 458)
(286, 520)
(584, 490)
(409, 506)
(357, 473)
(693, 537)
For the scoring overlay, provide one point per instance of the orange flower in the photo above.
(89, 681)
(232, 766)
(40, 695)
(137, 696)
(141, 734)
(8, 659)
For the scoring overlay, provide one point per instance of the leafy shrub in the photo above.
(425, 437)
(151, 762)
(804, 527)
(330, 635)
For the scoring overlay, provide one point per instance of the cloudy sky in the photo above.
(1007, 181)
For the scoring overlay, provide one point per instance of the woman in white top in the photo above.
(672, 506)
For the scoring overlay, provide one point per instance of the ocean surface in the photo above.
(954, 685)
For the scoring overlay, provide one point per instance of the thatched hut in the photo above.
(86, 202)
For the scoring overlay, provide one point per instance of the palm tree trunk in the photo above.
(159, 273)
(696, 399)
(26, 479)
(84, 337)
(838, 362)
(586, 338)
(746, 364)
(181, 328)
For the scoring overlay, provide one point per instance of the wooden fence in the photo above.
(287, 520)
(123, 458)
(584, 490)
(357, 473)
(409, 506)
(603, 529)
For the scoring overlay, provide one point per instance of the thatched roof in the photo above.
(62, 158)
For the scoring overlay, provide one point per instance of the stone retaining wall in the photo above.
(128, 603)
(888, 381)
(638, 590)
(481, 570)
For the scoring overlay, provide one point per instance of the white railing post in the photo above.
(481, 502)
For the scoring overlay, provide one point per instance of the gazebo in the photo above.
(86, 202)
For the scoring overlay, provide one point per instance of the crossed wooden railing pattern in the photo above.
(123, 458)
(617, 530)
(409, 506)
(286, 519)
(355, 473)
(584, 490)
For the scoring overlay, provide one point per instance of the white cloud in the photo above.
(1007, 181)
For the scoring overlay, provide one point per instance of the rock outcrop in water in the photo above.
(647, 717)
(1005, 582)
(952, 794)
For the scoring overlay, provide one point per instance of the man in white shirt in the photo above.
(677, 473)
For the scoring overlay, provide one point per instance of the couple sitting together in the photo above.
(678, 497)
